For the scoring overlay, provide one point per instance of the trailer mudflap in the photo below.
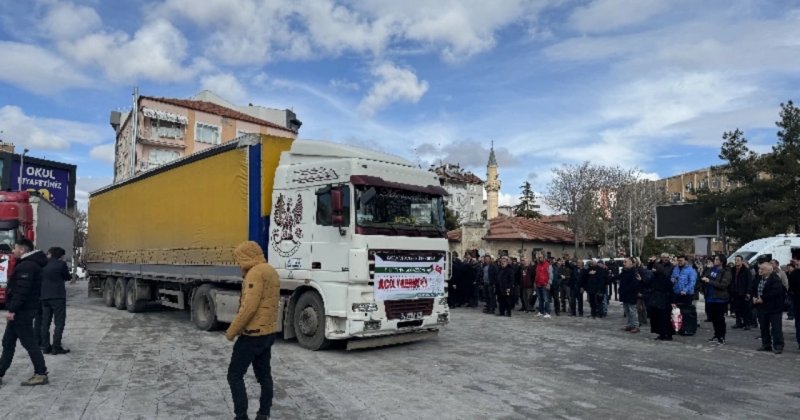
(366, 343)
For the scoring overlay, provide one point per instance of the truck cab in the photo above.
(16, 221)
(359, 242)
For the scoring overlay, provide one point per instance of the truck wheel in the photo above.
(133, 305)
(119, 293)
(204, 309)
(108, 291)
(309, 321)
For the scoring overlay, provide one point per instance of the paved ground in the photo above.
(157, 366)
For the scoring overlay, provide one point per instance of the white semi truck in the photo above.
(357, 238)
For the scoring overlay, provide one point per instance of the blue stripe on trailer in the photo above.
(256, 230)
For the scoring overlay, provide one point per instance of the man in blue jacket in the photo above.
(684, 278)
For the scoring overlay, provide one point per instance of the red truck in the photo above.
(27, 215)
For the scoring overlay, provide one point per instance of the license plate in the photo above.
(410, 316)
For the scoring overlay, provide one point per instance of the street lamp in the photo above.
(21, 166)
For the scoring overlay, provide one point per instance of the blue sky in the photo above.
(650, 84)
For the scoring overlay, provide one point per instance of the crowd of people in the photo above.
(652, 292)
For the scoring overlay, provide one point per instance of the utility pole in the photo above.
(630, 225)
(21, 168)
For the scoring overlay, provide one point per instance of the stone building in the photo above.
(465, 189)
(517, 237)
(503, 234)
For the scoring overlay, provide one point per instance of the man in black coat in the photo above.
(576, 287)
(596, 279)
(660, 303)
(505, 287)
(768, 298)
(54, 300)
(742, 284)
(794, 293)
(22, 297)
(489, 276)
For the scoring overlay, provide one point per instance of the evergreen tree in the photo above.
(527, 206)
(451, 219)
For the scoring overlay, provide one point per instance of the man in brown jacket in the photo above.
(255, 325)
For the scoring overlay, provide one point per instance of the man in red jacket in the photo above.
(542, 281)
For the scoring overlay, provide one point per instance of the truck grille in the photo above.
(396, 307)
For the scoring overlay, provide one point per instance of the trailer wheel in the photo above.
(119, 293)
(204, 309)
(133, 305)
(309, 321)
(108, 291)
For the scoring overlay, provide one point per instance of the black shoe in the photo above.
(60, 350)
(712, 339)
(737, 326)
(746, 328)
(721, 340)
(262, 417)
(778, 350)
(47, 350)
(764, 348)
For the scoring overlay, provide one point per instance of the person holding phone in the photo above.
(715, 282)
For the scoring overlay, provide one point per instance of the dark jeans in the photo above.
(491, 297)
(555, 288)
(772, 322)
(741, 307)
(689, 314)
(53, 309)
(37, 325)
(256, 351)
(594, 304)
(576, 301)
(716, 313)
(544, 300)
(22, 328)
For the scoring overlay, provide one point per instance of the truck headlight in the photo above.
(443, 301)
(365, 307)
(372, 325)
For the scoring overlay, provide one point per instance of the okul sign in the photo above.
(50, 183)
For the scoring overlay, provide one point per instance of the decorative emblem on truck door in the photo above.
(286, 235)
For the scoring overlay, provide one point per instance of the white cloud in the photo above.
(248, 31)
(32, 132)
(37, 69)
(156, 51)
(104, 153)
(69, 21)
(393, 84)
(84, 185)
(608, 15)
(343, 84)
(225, 84)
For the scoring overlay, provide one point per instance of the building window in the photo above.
(676, 197)
(160, 157)
(472, 201)
(715, 184)
(206, 133)
(704, 183)
(167, 129)
(689, 186)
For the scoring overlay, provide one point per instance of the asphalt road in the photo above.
(157, 366)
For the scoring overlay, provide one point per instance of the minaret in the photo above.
(492, 186)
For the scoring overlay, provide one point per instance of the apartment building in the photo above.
(166, 129)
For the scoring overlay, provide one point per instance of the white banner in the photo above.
(401, 277)
(4, 269)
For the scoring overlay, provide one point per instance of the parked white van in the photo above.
(783, 248)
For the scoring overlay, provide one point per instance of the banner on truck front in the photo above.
(409, 277)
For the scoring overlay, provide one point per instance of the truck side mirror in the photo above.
(337, 207)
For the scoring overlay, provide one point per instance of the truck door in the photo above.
(331, 240)
(290, 233)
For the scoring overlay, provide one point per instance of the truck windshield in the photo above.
(392, 208)
(7, 239)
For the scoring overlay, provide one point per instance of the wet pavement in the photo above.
(156, 365)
